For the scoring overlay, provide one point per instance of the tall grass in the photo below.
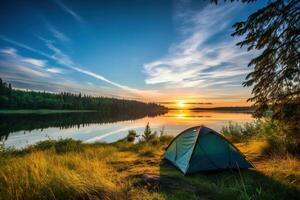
(260, 128)
(266, 129)
(50, 175)
(69, 169)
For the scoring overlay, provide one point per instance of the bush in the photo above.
(165, 139)
(238, 133)
(155, 141)
(148, 134)
(131, 136)
(260, 128)
(60, 146)
(271, 130)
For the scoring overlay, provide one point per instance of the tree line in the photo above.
(27, 122)
(17, 99)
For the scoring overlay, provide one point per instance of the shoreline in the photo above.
(41, 111)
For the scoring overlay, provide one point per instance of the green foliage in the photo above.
(259, 129)
(131, 136)
(148, 135)
(155, 140)
(274, 30)
(101, 171)
(165, 139)
(2, 149)
(162, 132)
(60, 146)
(236, 132)
(266, 128)
(21, 122)
(16, 99)
(246, 185)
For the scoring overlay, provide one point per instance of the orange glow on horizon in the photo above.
(188, 104)
(181, 103)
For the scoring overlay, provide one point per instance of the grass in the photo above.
(264, 129)
(260, 128)
(69, 169)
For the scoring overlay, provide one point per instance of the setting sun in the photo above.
(181, 103)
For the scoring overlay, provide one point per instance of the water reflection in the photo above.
(21, 130)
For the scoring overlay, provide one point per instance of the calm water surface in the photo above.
(18, 131)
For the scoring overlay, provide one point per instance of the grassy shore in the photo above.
(68, 169)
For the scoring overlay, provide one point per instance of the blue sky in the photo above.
(144, 50)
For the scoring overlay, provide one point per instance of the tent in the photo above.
(201, 149)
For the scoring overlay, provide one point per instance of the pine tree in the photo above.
(147, 133)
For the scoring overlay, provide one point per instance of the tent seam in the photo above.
(195, 144)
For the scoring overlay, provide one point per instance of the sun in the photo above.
(181, 103)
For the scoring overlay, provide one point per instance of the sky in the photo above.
(155, 51)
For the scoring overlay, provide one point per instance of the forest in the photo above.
(18, 99)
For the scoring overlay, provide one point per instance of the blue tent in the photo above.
(201, 149)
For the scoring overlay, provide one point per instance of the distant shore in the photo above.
(41, 111)
(244, 109)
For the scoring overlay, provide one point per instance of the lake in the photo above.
(21, 130)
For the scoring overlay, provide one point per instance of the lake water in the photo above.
(20, 130)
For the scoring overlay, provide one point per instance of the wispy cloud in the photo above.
(9, 51)
(24, 46)
(63, 59)
(12, 63)
(35, 62)
(206, 56)
(27, 73)
(58, 34)
(55, 70)
(68, 10)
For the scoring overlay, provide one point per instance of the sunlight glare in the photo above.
(181, 103)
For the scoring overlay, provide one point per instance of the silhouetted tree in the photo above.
(17, 99)
(275, 31)
(147, 133)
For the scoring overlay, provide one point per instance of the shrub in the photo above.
(131, 136)
(155, 141)
(238, 133)
(165, 139)
(60, 146)
(162, 132)
(148, 134)
(265, 128)
(260, 128)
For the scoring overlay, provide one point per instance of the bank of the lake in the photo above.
(21, 130)
(41, 111)
(69, 169)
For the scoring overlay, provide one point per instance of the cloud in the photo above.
(27, 73)
(59, 56)
(12, 63)
(58, 34)
(69, 11)
(24, 46)
(206, 56)
(35, 62)
(55, 70)
(63, 59)
(9, 51)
